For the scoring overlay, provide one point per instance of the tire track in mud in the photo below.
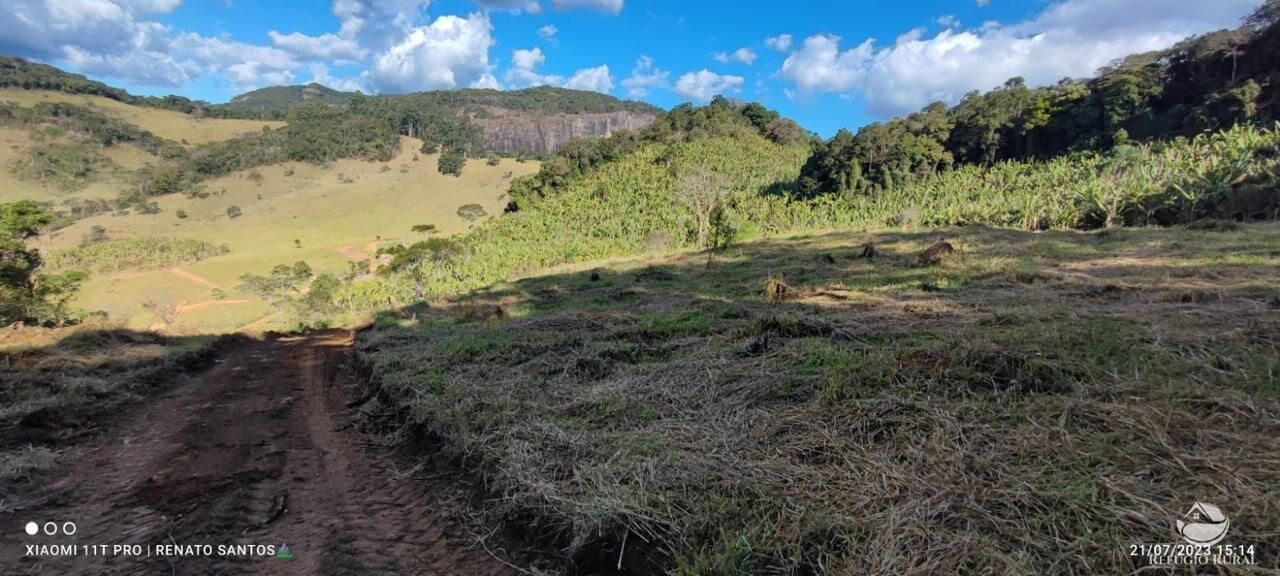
(212, 461)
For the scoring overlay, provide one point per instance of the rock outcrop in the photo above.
(508, 132)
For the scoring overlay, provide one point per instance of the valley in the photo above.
(544, 330)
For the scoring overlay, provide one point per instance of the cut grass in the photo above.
(55, 382)
(1033, 404)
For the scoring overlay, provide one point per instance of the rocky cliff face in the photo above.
(507, 131)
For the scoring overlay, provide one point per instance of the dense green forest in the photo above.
(1202, 84)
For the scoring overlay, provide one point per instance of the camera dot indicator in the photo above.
(32, 528)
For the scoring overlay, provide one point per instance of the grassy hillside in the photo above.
(337, 215)
(1031, 403)
(168, 124)
(632, 205)
(17, 145)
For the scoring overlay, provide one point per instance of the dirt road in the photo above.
(256, 451)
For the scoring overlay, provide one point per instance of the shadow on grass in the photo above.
(61, 383)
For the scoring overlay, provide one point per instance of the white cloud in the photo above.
(514, 6)
(948, 21)
(320, 75)
(595, 79)
(150, 6)
(140, 66)
(451, 52)
(246, 65)
(700, 86)
(820, 66)
(607, 6)
(378, 24)
(781, 42)
(528, 59)
(547, 32)
(744, 55)
(982, 3)
(644, 77)
(523, 72)
(323, 47)
(1072, 38)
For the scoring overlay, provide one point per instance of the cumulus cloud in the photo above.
(323, 47)
(320, 75)
(607, 6)
(595, 79)
(744, 55)
(700, 86)
(948, 21)
(781, 42)
(644, 77)
(1069, 39)
(982, 3)
(246, 65)
(451, 52)
(548, 32)
(523, 72)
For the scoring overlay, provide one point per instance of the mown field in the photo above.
(1033, 402)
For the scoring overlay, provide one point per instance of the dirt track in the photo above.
(212, 461)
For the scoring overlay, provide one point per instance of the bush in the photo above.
(451, 162)
(233, 212)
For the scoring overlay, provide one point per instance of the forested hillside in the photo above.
(454, 120)
(276, 101)
(1202, 84)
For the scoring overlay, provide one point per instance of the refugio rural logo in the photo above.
(1203, 524)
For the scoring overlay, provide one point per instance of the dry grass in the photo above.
(55, 382)
(169, 124)
(1033, 403)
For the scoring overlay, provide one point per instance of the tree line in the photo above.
(1204, 83)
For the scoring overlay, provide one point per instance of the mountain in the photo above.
(534, 120)
(281, 98)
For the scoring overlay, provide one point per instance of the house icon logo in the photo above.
(1203, 525)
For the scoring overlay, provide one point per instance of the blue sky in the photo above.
(826, 64)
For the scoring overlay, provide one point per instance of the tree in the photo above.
(276, 286)
(700, 191)
(451, 162)
(471, 212)
(25, 294)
